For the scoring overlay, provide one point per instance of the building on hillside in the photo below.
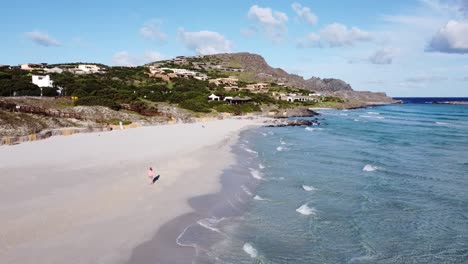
(53, 70)
(231, 81)
(257, 87)
(89, 68)
(213, 97)
(31, 67)
(237, 100)
(42, 81)
(298, 98)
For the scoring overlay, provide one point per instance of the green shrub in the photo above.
(95, 100)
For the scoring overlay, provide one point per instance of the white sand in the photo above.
(86, 198)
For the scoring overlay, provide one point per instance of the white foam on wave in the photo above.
(441, 123)
(306, 210)
(373, 113)
(259, 198)
(280, 148)
(246, 190)
(210, 223)
(356, 120)
(264, 134)
(370, 167)
(372, 116)
(256, 174)
(309, 188)
(250, 150)
(261, 166)
(282, 142)
(250, 250)
(344, 114)
(313, 128)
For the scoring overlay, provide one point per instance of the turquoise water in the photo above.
(380, 185)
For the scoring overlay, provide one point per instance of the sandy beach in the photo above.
(86, 198)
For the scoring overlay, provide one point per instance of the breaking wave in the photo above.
(308, 188)
(306, 210)
(249, 249)
(256, 174)
(259, 198)
(370, 168)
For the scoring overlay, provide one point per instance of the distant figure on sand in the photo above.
(151, 175)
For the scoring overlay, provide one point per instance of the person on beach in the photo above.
(151, 175)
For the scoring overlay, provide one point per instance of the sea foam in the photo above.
(256, 174)
(249, 249)
(246, 190)
(306, 210)
(370, 168)
(210, 223)
(308, 188)
(259, 198)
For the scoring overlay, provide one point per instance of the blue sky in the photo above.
(402, 47)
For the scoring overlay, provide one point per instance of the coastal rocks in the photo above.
(293, 123)
(293, 112)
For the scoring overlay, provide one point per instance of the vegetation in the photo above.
(133, 89)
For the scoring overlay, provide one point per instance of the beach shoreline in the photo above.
(84, 199)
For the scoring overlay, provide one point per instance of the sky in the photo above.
(401, 47)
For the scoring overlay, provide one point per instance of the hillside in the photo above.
(250, 68)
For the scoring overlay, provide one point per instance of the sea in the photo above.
(386, 184)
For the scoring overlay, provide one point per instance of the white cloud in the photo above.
(304, 13)
(42, 39)
(426, 79)
(123, 58)
(383, 56)
(337, 35)
(272, 23)
(451, 38)
(310, 41)
(152, 56)
(152, 30)
(205, 42)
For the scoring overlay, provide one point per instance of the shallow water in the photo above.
(381, 185)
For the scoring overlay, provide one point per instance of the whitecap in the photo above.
(373, 113)
(280, 148)
(264, 134)
(306, 210)
(343, 114)
(370, 168)
(259, 198)
(356, 120)
(308, 188)
(249, 249)
(250, 151)
(373, 116)
(246, 190)
(313, 128)
(441, 123)
(261, 166)
(282, 142)
(256, 174)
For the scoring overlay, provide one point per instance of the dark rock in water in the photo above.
(294, 122)
(295, 112)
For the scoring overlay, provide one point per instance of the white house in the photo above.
(53, 70)
(213, 97)
(42, 81)
(89, 68)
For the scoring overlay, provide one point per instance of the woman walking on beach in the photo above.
(151, 175)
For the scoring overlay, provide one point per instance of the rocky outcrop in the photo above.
(292, 122)
(293, 112)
